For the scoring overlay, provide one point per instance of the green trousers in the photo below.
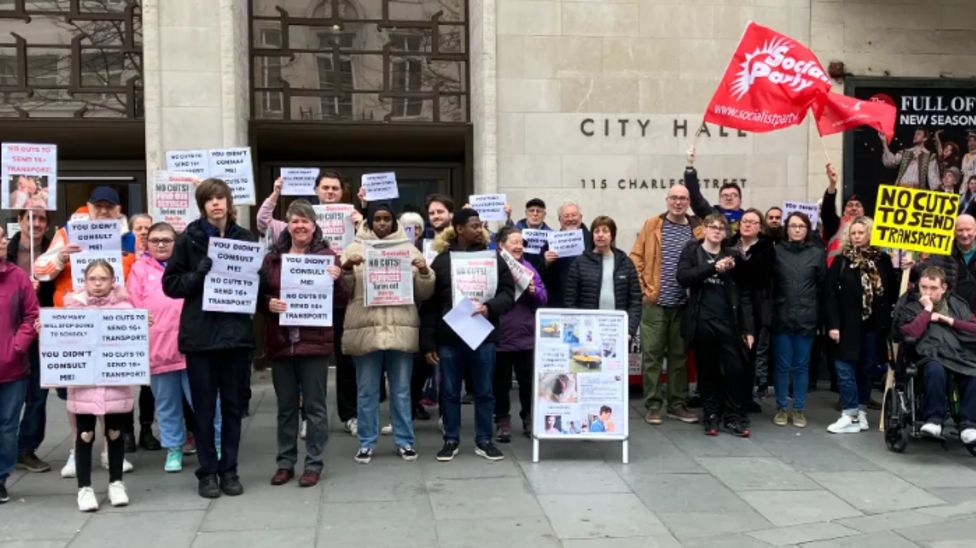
(660, 333)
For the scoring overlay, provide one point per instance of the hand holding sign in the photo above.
(380, 186)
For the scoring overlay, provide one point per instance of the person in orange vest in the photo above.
(55, 263)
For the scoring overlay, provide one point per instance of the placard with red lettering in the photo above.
(388, 275)
(335, 220)
(29, 174)
(172, 199)
(474, 275)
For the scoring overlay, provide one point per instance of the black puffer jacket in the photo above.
(585, 277)
(202, 331)
(798, 277)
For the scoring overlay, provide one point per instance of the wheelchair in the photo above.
(902, 408)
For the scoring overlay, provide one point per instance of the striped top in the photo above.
(674, 237)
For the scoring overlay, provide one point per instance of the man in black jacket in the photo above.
(718, 324)
(557, 268)
(441, 345)
(35, 415)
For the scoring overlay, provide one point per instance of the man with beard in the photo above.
(774, 223)
(917, 167)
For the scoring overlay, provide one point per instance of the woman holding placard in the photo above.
(110, 402)
(383, 337)
(217, 345)
(298, 353)
(516, 338)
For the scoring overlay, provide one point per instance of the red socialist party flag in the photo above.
(769, 83)
(835, 113)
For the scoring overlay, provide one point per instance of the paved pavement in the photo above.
(783, 487)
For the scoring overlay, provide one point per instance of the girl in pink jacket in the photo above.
(90, 402)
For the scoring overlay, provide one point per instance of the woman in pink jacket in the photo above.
(90, 402)
(166, 363)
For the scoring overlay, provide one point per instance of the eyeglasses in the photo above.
(715, 227)
(791, 225)
(161, 241)
(728, 196)
(749, 223)
(677, 198)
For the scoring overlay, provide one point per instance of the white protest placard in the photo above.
(811, 210)
(80, 260)
(195, 162)
(335, 220)
(429, 252)
(307, 289)
(490, 207)
(232, 283)
(380, 186)
(28, 176)
(388, 274)
(474, 275)
(411, 232)
(535, 239)
(173, 199)
(472, 328)
(233, 166)
(12, 229)
(95, 235)
(298, 181)
(521, 275)
(567, 243)
(580, 377)
(94, 347)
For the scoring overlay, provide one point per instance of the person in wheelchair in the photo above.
(940, 330)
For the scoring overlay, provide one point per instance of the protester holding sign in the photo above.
(604, 277)
(169, 380)
(557, 267)
(441, 345)
(330, 188)
(383, 337)
(859, 293)
(55, 263)
(217, 345)
(110, 402)
(298, 354)
(17, 337)
(516, 341)
(718, 325)
(798, 278)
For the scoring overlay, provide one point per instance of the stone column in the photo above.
(196, 81)
(483, 106)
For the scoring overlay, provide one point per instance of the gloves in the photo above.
(204, 266)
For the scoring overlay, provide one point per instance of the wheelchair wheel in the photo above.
(971, 448)
(896, 432)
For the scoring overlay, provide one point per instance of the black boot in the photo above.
(129, 441)
(147, 440)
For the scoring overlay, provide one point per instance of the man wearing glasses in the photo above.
(729, 198)
(655, 255)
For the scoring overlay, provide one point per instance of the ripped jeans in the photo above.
(114, 425)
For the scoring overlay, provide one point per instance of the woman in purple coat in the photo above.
(516, 336)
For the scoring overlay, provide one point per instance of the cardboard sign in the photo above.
(298, 181)
(567, 243)
(28, 176)
(80, 260)
(915, 220)
(812, 211)
(307, 288)
(231, 165)
(335, 220)
(173, 200)
(96, 235)
(94, 347)
(535, 239)
(388, 274)
(474, 276)
(194, 162)
(380, 186)
(490, 207)
(232, 283)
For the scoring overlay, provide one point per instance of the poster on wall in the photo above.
(580, 376)
(934, 143)
(29, 176)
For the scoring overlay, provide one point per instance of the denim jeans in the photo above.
(853, 378)
(35, 408)
(168, 390)
(455, 359)
(936, 404)
(792, 359)
(369, 375)
(11, 401)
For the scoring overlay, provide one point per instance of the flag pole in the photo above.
(30, 214)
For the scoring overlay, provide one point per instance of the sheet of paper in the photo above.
(28, 176)
(80, 260)
(535, 239)
(380, 186)
(568, 243)
(812, 211)
(298, 181)
(490, 207)
(96, 235)
(335, 220)
(195, 162)
(472, 328)
(172, 199)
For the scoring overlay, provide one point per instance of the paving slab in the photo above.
(377, 524)
(684, 492)
(756, 473)
(560, 477)
(600, 516)
(631, 542)
(875, 492)
(52, 517)
(271, 537)
(881, 539)
(891, 520)
(532, 531)
(784, 508)
(132, 529)
(487, 498)
(687, 526)
(950, 533)
(799, 534)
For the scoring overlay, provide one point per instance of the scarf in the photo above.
(865, 260)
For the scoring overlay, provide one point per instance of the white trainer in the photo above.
(968, 436)
(68, 471)
(117, 495)
(86, 500)
(126, 465)
(386, 430)
(846, 424)
(862, 417)
(932, 429)
(352, 426)
(303, 430)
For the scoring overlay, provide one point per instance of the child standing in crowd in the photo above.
(167, 364)
(217, 345)
(17, 333)
(110, 402)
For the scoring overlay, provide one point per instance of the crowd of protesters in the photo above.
(751, 295)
